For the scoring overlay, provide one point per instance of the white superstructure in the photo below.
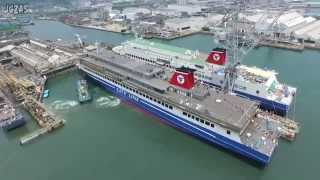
(255, 83)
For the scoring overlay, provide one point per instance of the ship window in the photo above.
(184, 113)
(170, 107)
(201, 120)
(166, 105)
(257, 91)
(159, 102)
(212, 125)
(197, 119)
(228, 132)
(192, 117)
(207, 123)
(189, 115)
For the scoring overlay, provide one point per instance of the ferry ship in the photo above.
(178, 99)
(252, 82)
(10, 118)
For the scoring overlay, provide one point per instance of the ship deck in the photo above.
(227, 110)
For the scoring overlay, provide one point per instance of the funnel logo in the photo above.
(180, 79)
(216, 57)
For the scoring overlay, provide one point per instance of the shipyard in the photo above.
(104, 86)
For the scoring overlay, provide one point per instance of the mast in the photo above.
(241, 36)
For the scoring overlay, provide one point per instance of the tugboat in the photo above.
(83, 93)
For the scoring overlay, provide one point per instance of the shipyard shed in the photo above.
(287, 23)
(182, 24)
(311, 31)
(190, 9)
(132, 12)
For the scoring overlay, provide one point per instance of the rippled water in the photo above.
(108, 101)
(114, 141)
(63, 104)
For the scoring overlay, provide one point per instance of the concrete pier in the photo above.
(39, 132)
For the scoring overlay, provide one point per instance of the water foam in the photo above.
(107, 101)
(63, 105)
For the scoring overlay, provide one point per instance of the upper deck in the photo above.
(227, 110)
(164, 50)
(180, 55)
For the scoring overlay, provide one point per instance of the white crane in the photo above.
(81, 44)
(241, 36)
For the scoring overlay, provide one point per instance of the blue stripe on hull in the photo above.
(185, 125)
(278, 108)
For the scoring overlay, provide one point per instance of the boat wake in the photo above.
(63, 105)
(108, 101)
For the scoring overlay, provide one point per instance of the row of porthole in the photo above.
(140, 93)
(201, 121)
(141, 58)
(164, 104)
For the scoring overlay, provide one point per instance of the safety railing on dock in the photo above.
(288, 128)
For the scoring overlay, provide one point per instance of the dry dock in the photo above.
(26, 80)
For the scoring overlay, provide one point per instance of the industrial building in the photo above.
(132, 12)
(290, 24)
(191, 23)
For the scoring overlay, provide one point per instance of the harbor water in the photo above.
(109, 139)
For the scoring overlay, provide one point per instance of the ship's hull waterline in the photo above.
(181, 123)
